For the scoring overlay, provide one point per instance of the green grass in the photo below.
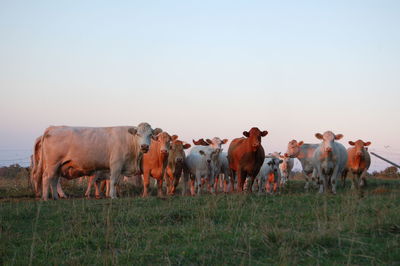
(291, 228)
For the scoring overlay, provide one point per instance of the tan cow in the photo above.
(78, 151)
(175, 165)
(155, 161)
(358, 162)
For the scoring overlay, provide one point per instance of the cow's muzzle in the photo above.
(144, 148)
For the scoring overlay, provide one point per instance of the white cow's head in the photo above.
(216, 142)
(293, 148)
(209, 155)
(143, 133)
(327, 140)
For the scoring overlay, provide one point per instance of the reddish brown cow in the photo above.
(155, 161)
(246, 156)
(175, 166)
(358, 162)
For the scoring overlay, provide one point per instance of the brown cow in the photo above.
(175, 165)
(155, 161)
(246, 156)
(358, 162)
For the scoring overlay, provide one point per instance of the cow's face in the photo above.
(176, 153)
(216, 142)
(293, 148)
(274, 164)
(359, 146)
(164, 140)
(327, 140)
(209, 155)
(255, 135)
(144, 133)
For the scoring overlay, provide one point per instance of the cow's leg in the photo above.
(307, 185)
(97, 189)
(240, 181)
(89, 185)
(334, 178)
(146, 183)
(114, 180)
(103, 184)
(49, 176)
(363, 183)
(60, 191)
(160, 188)
(343, 178)
(216, 184)
(53, 183)
(198, 182)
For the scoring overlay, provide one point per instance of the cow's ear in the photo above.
(246, 134)
(338, 136)
(319, 136)
(174, 137)
(209, 141)
(300, 143)
(352, 143)
(132, 130)
(224, 141)
(264, 133)
(186, 146)
(367, 143)
(157, 131)
(202, 152)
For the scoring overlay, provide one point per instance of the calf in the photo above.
(329, 160)
(358, 162)
(175, 165)
(285, 169)
(305, 153)
(155, 161)
(221, 165)
(245, 156)
(269, 174)
(199, 165)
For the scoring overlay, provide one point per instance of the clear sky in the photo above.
(203, 68)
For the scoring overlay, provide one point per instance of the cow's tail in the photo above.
(38, 163)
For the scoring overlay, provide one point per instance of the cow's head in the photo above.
(216, 142)
(177, 153)
(274, 164)
(209, 154)
(164, 140)
(327, 140)
(359, 146)
(254, 136)
(143, 133)
(293, 148)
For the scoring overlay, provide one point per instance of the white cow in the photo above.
(199, 164)
(285, 168)
(73, 152)
(269, 174)
(220, 166)
(330, 159)
(305, 153)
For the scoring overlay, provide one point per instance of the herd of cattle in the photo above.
(106, 154)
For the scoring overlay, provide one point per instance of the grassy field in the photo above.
(291, 228)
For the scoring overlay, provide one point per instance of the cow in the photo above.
(246, 156)
(304, 152)
(176, 165)
(155, 161)
(78, 151)
(199, 162)
(358, 162)
(269, 174)
(35, 171)
(329, 160)
(221, 165)
(285, 168)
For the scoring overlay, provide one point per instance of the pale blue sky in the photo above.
(202, 68)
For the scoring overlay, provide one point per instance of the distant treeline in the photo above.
(14, 171)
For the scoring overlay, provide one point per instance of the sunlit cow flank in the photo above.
(330, 159)
(176, 165)
(78, 151)
(358, 162)
(246, 156)
(155, 161)
(221, 165)
(200, 161)
(305, 153)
